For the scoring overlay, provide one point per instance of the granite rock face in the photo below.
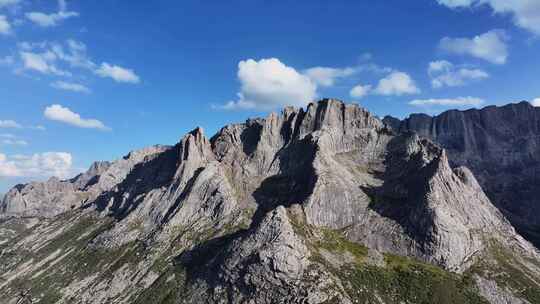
(313, 205)
(53, 197)
(501, 146)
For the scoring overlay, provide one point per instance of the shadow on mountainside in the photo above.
(401, 197)
(152, 174)
(294, 182)
(292, 185)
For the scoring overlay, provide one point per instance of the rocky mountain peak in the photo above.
(263, 211)
(499, 144)
(195, 145)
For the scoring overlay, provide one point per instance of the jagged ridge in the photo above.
(261, 193)
(501, 147)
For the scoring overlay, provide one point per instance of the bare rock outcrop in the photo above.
(55, 196)
(501, 146)
(282, 209)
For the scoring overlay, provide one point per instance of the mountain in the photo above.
(326, 204)
(501, 146)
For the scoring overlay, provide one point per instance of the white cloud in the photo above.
(374, 68)
(9, 124)
(268, 84)
(360, 91)
(536, 102)
(62, 114)
(69, 86)
(444, 73)
(37, 165)
(525, 13)
(459, 101)
(117, 73)
(326, 77)
(438, 66)
(490, 46)
(455, 3)
(15, 125)
(44, 57)
(8, 168)
(49, 20)
(42, 62)
(38, 127)
(397, 83)
(14, 142)
(5, 26)
(76, 55)
(29, 46)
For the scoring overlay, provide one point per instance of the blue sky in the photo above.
(92, 80)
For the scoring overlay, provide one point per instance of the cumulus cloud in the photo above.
(444, 73)
(536, 102)
(117, 73)
(42, 62)
(62, 114)
(459, 101)
(9, 124)
(490, 46)
(525, 13)
(50, 20)
(46, 164)
(268, 84)
(326, 76)
(69, 86)
(360, 91)
(396, 83)
(5, 26)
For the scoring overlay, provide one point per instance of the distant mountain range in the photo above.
(327, 204)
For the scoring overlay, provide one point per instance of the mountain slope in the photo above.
(501, 146)
(322, 205)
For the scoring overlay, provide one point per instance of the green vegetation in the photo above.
(333, 240)
(407, 281)
(167, 289)
(171, 286)
(503, 267)
(78, 260)
(401, 280)
(136, 224)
